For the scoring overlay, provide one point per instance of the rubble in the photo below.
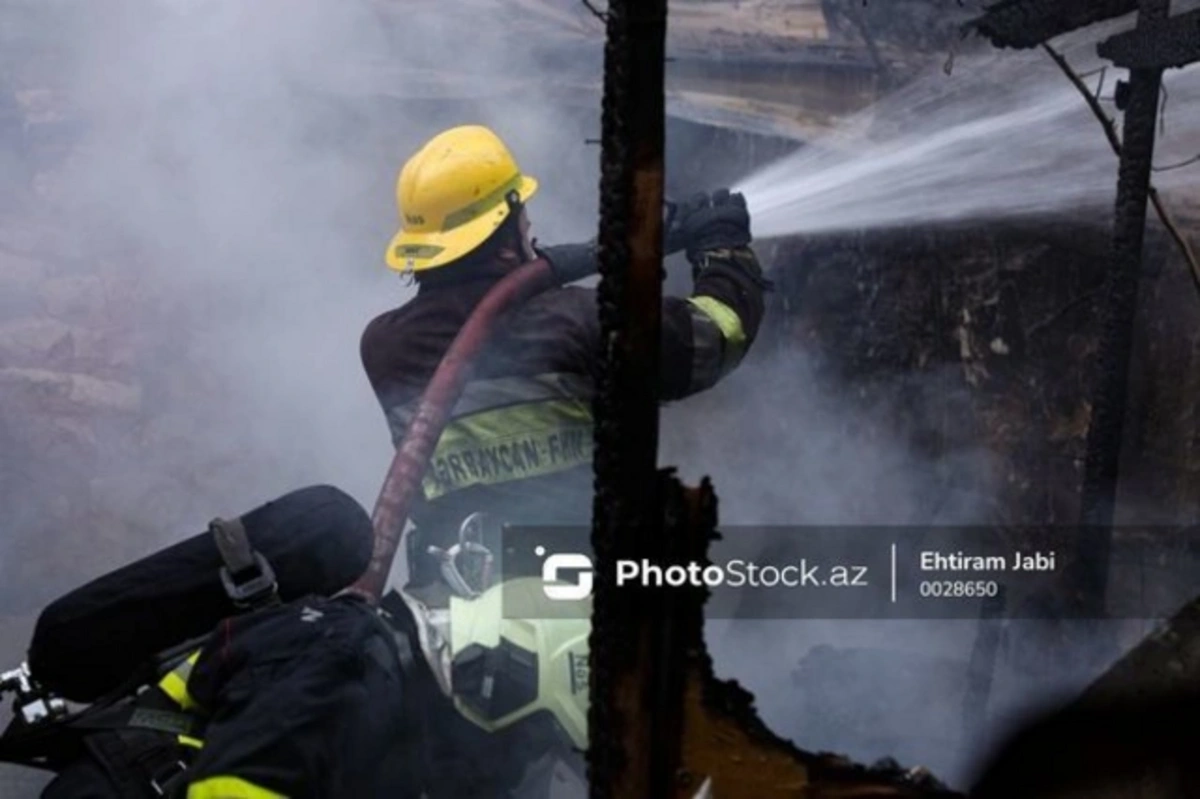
(74, 392)
(34, 340)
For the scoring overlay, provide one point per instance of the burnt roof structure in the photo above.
(1167, 43)
(1022, 24)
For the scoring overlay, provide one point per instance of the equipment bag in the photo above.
(87, 643)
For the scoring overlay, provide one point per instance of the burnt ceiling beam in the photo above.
(1022, 24)
(1167, 43)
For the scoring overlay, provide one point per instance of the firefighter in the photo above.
(518, 448)
(439, 693)
(508, 705)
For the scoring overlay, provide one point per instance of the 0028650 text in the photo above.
(958, 589)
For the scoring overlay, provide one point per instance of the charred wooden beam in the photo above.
(1022, 24)
(634, 719)
(1107, 423)
(1159, 44)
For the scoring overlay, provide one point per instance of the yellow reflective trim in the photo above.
(725, 318)
(187, 740)
(229, 788)
(174, 684)
(481, 206)
(487, 394)
(511, 443)
(416, 250)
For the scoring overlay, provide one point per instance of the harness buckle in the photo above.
(165, 778)
(240, 558)
(33, 704)
(257, 590)
(470, 543)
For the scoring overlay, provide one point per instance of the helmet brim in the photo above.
(417, 252)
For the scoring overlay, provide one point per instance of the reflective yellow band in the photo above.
(194, 743)
(174, 684)
(481, 206)
(511, 443)
(732, 337)
(402, 251)
(723, 317)
(229, 788)
(483, 395)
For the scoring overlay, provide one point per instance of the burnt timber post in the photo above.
(635, 713)
(1106, 428)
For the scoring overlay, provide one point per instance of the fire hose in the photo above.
(412, 457)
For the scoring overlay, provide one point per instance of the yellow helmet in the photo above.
(452, 195)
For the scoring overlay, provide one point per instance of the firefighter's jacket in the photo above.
(519, 443)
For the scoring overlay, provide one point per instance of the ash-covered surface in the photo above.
(727, 731)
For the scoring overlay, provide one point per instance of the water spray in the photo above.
(1005, 135)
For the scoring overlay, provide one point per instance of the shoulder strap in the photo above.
(141, 715)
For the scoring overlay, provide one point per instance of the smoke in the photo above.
(239, 160)
(235, 161)
(786, 446)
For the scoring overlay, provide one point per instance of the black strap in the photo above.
(140, 763)
(143, 715)
(137, 742)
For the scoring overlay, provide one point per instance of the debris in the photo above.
(34, 341)
(74, 391)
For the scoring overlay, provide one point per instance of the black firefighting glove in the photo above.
(706, 222)
(570, 262)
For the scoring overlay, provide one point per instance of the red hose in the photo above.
(412, 456)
